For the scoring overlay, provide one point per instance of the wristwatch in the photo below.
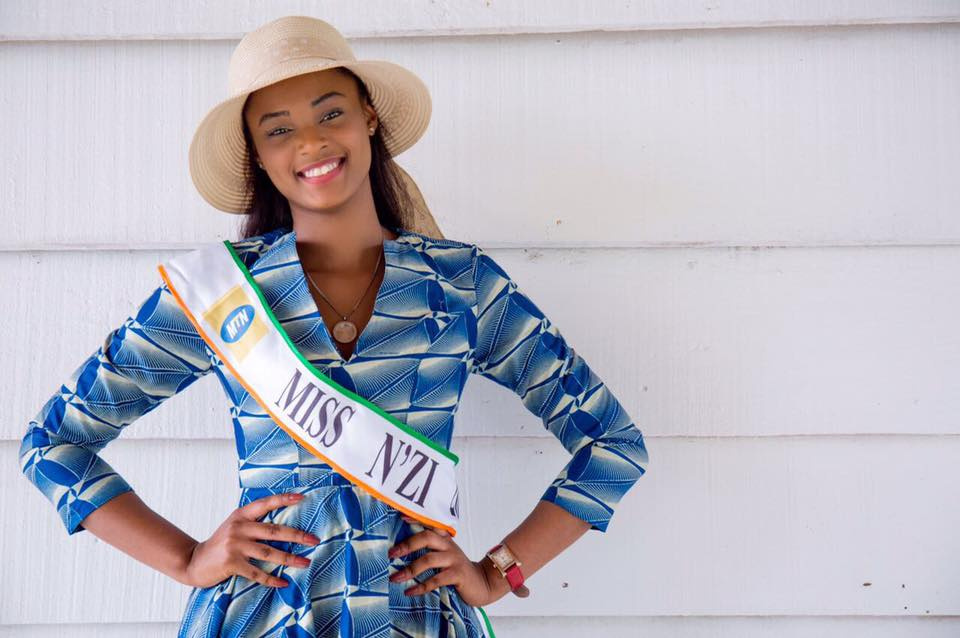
(509, 567)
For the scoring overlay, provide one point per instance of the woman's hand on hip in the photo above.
(454, 568)
(229, 550)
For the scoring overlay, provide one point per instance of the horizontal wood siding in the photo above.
(743, 215)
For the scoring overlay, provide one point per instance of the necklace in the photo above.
(346, 331)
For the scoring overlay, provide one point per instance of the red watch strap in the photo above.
(514, 576)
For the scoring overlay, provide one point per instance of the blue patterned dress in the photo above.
(445, 309)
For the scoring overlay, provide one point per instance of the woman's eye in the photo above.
(322, 119)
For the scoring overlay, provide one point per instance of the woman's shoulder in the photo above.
(452, 259)
(251, 248)
(455, 250)
(427, 242)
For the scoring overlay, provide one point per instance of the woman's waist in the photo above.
(332, 504)
(273, 480)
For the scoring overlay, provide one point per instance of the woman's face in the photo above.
(309, 120)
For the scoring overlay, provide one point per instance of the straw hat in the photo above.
(283, 48)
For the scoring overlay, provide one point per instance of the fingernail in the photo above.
(294, 497)
(313, 539)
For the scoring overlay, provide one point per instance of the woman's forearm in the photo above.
(128, 524)
(547, 531)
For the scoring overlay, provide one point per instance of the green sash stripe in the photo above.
(486, 621)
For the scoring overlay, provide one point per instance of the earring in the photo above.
(372, 130)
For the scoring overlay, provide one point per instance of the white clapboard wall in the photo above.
(744, 215)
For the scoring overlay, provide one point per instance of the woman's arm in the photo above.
(128, 524)
(544, 534)
(153, 355)
(521, 349)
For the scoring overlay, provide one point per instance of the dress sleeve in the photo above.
(154, 354)
(521, 349)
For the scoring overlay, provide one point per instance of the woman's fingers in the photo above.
(426, 538)
(446, 577)
(447, 558)
(251, 572)
(277, 532)
(251, 527)
(413, 521)
(260, 507)
(429, 560)
(264, 552)
(229, 550)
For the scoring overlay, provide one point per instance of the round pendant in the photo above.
(344, 331)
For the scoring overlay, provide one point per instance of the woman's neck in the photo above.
(340, 249)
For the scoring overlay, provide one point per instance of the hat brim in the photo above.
(218, 155)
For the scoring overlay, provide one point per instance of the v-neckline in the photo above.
(389, 253)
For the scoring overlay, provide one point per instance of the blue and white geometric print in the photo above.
(445, 309)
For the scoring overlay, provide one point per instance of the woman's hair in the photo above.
(269, 209)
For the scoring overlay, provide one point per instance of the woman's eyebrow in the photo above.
(313, 104)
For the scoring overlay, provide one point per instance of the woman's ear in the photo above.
(372, 121)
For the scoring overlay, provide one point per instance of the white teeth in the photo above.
(322, 170)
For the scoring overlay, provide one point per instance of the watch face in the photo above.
(502, 557)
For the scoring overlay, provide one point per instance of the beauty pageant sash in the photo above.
(362, 442)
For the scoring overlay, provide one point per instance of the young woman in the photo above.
(358, 288)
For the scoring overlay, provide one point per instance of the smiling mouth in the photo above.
(340, 162)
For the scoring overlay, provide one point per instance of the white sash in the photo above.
(362, 442)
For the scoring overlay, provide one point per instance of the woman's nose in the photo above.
(309, 135)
